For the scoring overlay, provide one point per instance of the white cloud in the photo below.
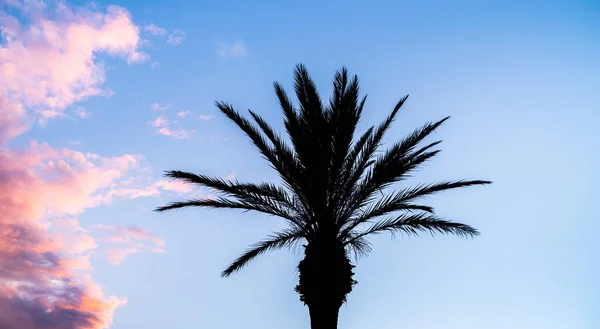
(178, 134)
(236, 49)
(183, 114)
(158, 107)
(163, 128)
(82, 113)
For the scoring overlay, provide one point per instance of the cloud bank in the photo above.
(48, 62)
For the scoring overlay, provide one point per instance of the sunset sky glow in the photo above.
(98, 98)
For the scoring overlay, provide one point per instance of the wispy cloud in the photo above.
(155, 30)
(154, 65)
(160, 121)
(157, 107)
(82, 113)
(220, 138)
(176, 37)
(183, 114)
(236, 49)
(127, 240)
(163, 128)
(206, 117)
(178, 133)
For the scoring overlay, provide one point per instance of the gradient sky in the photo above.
(96, 100)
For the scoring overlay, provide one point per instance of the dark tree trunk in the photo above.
(323, 315)
(325, 278)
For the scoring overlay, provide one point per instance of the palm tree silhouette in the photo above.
(334, 193)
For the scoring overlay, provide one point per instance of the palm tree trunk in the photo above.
(323, 315)
(325, 278)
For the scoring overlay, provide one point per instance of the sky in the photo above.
(98, 99)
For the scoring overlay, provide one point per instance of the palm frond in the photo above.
(279, 240)
(258, 139)
(311, 108)
(295, 180)
(256, 192)
(412, 224)
(394, 165)
(363, 153)
(400, 201)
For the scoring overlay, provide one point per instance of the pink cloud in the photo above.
(176, 37)
(130, 240)
(160, 121)
(206, 117)
(153, 29)
(163, 128)
(183, 114)
(47, 59)
(47, 63)
(40, 182)
(177, 134)
(174, 186)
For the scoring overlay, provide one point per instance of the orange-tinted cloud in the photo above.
(47, 63)
(39, 288)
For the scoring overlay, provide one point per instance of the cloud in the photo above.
(160, 121)
(82, 113)
(163, 128)
(154, 65)
(236, 49)
(38, 183)
(220, 138)
(47, 58)
(127, 241)
(154, 189)
(183, 114)
(176, 37)
(48, 61)
(178, 133)
(174, 186)
(206, 117)
(157, 107)
(155, 30)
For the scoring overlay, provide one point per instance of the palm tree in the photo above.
(334, 192)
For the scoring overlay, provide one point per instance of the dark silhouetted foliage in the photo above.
(334, 191)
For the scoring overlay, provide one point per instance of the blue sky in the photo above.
(520, 81)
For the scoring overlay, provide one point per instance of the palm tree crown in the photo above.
(334, 192)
